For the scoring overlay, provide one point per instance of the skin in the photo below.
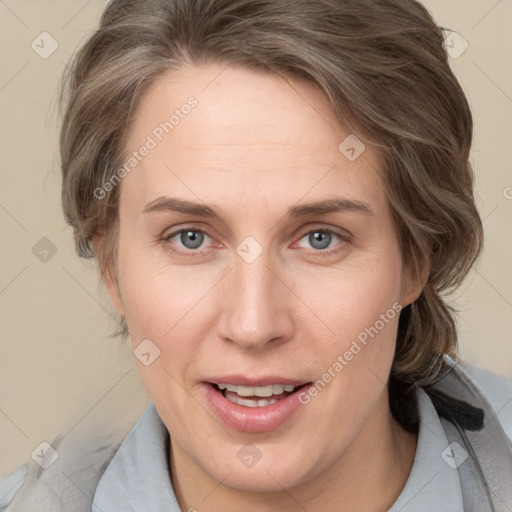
(255, 145)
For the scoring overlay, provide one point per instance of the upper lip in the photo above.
(243, 380)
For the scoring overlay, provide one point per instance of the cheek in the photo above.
(359, 307)
(165, 303)
(352, 296)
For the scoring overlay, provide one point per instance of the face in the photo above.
(271, 318)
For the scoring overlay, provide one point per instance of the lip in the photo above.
(243, 380)
(252, 419)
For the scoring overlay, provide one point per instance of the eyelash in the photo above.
(199, 252)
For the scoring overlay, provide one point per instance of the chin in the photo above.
(271, 470)
(264, 479)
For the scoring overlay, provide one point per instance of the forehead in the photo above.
(235, 132)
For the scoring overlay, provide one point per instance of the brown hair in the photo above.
(383, 67)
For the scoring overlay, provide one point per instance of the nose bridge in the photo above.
(254, 312)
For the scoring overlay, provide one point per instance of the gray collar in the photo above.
(138, 479)
(434, 482)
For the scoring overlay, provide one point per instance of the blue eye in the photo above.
(320, 239)
(191, 239)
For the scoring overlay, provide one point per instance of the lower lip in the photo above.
(252, 419)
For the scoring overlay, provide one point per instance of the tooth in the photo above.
(278, 389)
(241, 401)
(243, 390)
(259, 391)
(264, 391)
(251, 403)
(247, 403)
(262, 403)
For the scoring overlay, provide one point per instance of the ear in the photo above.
(109, 276)
(413, 283)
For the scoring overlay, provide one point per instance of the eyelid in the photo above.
(177, 231)
(342, 233)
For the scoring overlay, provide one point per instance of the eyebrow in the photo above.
(337, 204)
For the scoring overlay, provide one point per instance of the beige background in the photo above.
(57, 364)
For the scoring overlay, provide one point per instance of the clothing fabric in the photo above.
(458, 466)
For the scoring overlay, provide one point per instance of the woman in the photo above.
(278, 194)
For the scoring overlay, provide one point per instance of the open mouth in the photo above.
(251, 408)
(256, 396)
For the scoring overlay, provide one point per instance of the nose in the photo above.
(256, 305)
